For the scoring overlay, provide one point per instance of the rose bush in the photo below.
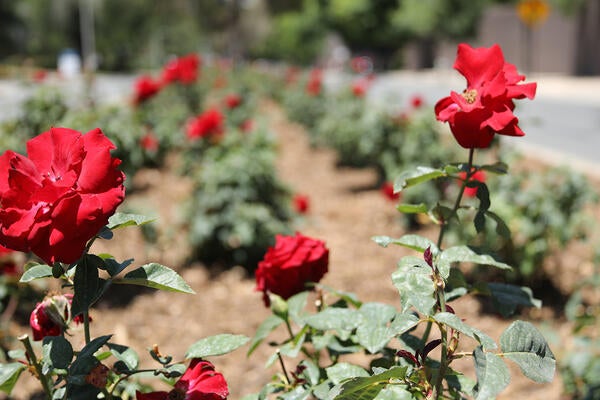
(486, 106)
(182, 69)
(57, 198)
(209, 123)
(290, 264)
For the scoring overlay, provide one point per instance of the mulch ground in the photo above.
(346, 210)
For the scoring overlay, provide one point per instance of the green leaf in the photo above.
(456, 323)
(394, 392)
(483, 194)
(501, 228)
(374, 331)
(465, 254)
(85, 283)
(414, 242)
(36, 272)
(441, 214)
(366, 388)
(57, 352)
(413, 281)
(349, 298)
(405, 208)
(333, 318)
(296, 306)
(492, 374)
(113, 267)
(507, 297)
(267, 326)
(216, 345)
(120, 220)
(403, 323)
(341, 371)
(524, 344)
(415, 177)
(85, 360)
(156, 276)
(9, 375)
(125, 354)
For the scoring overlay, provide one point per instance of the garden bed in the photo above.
(346, 210)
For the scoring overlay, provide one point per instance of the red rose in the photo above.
(61, 195)
(360, 87)
(233, 100)
(149, 142)
(183, 69)
(199, 382)
(206, 124)
(313, 86)
(290, 264)
(52, 316)
(145, 88)
(416, 102)
(486, 106)
(478, 176)
(301, 203)
(387, 189)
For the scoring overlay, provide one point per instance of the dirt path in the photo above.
(345, 211)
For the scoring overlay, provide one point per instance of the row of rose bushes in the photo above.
(73, 186)
(365, 135)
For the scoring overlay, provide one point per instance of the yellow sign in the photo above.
(533, 12)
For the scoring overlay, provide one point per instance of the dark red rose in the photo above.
(183, 69)
(478, 176)
(145, 87)
(199, 382)
(209, 123)
(61, 195)
(290, 264)
(233, 100)
(387, 189)
(149, 142)
(8, 265)
(486, 106)
(301, 203)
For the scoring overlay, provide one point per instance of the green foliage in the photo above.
(238, 203)
(295, 36)
(303, 108)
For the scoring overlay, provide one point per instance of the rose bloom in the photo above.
(416, 102)
(478, 176)
(387, 189)
(290, 264)
(199, 382)
(145, 87)
(301, 203)
(52, 316)
(183, 69)
(61, 195)
(360, 87)
(486, 106)
(313, 86)
(149, 142)
(233, 100)
(209, 123)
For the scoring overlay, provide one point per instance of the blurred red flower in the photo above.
(486, 106)
(478, 176)
(314, 84)
(209, 123)
(145, 87)
(149, 142)
(183, 69)
(387, 189)
(416, 101)
(233, 100)
(301, 203)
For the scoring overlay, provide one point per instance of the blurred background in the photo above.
(550, 36)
